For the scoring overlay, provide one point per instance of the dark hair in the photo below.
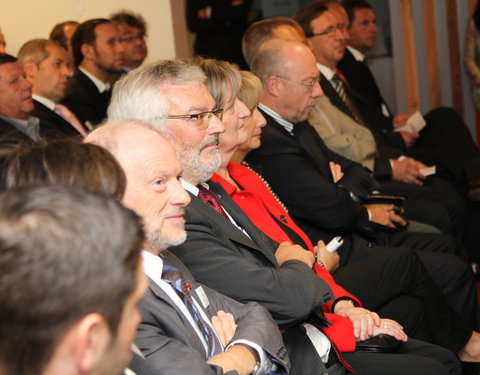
(65, 162)
(58, 34)
(305, 15)
(5, 58)
(261, 31)
(476, 16)
(129, 18)
(64, 253)
(351, 5)
(85, 34)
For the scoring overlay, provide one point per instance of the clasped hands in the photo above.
(367, 323)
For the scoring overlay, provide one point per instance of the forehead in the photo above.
(338, 12)
(105, 31)
(54, 51)
(10, 70)
(126, 28)
(324, 21)
(363, 13)
(188, 97)
(302, 62)
(141, 148)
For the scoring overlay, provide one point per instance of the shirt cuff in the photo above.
(265, 364)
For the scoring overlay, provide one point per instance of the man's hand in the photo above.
(238, 358)
(384, 215)
(400, 120)
(224, 325)
(364, 322)
(408, 170)
(330, 260)
(409, 138)
(287, 251)
(392, 328)
(336, 170)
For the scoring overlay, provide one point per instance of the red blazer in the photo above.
(260, 204)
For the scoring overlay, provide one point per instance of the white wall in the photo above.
(22, 20)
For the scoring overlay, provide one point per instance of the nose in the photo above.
(215, 126)
(243, 111)
(317, 90)
(26, 85)
(119, 47)
(178, 195)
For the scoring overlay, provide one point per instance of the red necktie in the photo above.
(208, 197)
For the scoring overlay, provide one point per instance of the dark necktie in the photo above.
(172, 276)
(339, 86)
(208, 197)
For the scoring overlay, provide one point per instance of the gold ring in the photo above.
(367, 312)
(385, 325)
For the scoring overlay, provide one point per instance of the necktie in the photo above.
(172, 276)
(344, 96)
(70, 118)
(208, 197)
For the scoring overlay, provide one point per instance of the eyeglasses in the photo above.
(329, 32)
(132, 38)
(308, 84)
(200, 119)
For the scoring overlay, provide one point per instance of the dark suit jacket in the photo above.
(361, 79)
(83, 98)
(47, 116)
(10, 135)
(170, 344)
(219, 255)
(310, 194)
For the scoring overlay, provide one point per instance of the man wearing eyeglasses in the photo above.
(133, 32)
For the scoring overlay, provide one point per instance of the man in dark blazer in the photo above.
(45, 65)
(16, 106)
(232, 255)
(98, 56)
(244, 337)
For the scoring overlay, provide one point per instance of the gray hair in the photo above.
(138, 95)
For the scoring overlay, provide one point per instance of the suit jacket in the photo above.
(389, 143)
(360, 78)
(84, 100)
(345, 136)
(312, 198)
(47, 116)
(10, 135)
(170, 344)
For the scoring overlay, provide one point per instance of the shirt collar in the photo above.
(287, 125)
(326, 71)
(101, 86)
(356, 54)
(30, 127)
(50, 104)
(152, 265)
(192, 188)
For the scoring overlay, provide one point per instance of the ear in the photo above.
(273, 85)
(92, 339)
(88, 51)
(30, 69)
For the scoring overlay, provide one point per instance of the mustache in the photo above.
(175, 212)
(215, 140)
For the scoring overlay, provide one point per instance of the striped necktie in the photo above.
(339, 86)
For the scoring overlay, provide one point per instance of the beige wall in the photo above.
(22, 20)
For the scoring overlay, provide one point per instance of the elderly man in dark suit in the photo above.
(45, 65)
(98, 57)
(186, 328)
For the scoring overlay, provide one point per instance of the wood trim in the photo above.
(432, 53)
(179, 28)
(410, 56)
(471, 6)
(455, 60)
